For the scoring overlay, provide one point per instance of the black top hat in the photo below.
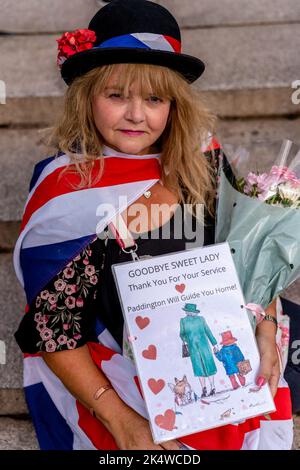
(132, 31)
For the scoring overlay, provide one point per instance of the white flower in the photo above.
(288, 191)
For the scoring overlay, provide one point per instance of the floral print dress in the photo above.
(61, 316)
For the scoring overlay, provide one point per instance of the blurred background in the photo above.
(251, 51)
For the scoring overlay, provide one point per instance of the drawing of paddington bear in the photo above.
(230, 354)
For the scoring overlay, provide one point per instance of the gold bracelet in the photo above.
(272, 319)
(98, 394)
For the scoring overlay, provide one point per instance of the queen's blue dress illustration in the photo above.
(195, 331)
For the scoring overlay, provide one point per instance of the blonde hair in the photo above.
(185, 169)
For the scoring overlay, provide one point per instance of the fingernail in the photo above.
(261, 381)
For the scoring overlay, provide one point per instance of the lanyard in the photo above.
(123, 236)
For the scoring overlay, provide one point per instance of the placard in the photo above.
(192, 341)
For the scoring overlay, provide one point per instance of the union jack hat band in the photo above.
(128, 31)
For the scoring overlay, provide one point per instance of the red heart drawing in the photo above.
(149, 353)
(180, 287)
(156, 386)
(142, 322)
(166, 421)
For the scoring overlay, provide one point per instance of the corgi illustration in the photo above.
(182, 391)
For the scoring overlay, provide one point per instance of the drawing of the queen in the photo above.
(195, 331)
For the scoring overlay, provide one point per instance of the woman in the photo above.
(196, 333)
(132, 127)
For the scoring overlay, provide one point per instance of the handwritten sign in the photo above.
(192, 341)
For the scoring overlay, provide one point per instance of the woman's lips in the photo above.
(132, 133)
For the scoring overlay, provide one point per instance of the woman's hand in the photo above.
(269, 362)
(132, 432)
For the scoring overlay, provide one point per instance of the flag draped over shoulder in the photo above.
(59, 221)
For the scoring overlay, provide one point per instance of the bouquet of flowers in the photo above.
(258, 214)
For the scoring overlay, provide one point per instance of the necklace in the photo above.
(147, 194)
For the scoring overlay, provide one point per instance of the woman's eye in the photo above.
(155, 99)
(115, 95)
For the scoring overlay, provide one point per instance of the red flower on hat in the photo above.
(72, 42)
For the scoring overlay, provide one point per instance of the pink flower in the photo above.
(77, 336)
(40, 326)
(285, 334)
(59, 285)
(72, 42)
(262, 196)
(69, 273)
(70, 301)
(251, 178)
(272, 180)
(62, 339)
(45, 294)
(281, 172)
(90, 270)
(70, 289)
(66, 326)
(53, 306)
(50, 345)
(261, 181)
(71, 343)
(46, 334)
(52, 299)
(37, 316)
(278, 170)
(94, 280)
(44, 318)
(38, 302)
(86, 261)
(247, 188)
(259, 185)
(79, 302)
(295, 184)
